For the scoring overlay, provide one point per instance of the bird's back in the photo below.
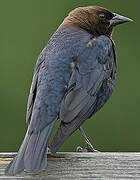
(53, 69)
(90, 86)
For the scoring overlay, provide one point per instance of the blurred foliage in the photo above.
(25, 28)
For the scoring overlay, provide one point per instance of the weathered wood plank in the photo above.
(89, 166)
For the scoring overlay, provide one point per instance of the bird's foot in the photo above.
(48, 150)
(86, 149)
(80, 149)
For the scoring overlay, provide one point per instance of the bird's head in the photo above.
(94, 19)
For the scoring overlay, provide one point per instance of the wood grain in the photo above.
(89, 166)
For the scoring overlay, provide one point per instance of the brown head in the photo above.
(94, 19)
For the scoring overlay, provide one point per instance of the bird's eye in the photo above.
(102, 16)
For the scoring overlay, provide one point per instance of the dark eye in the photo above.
(102, 16)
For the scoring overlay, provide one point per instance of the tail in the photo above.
(31, 155)
(63, 132)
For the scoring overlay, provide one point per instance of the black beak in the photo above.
(118, 19)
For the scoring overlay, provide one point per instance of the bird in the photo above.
(74, 76)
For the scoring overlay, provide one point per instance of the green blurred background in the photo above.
(25, 28)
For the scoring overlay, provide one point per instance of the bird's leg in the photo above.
(89, 147)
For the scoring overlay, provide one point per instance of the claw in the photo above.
(91, 150)
(80, 149)
(48, 150)
(89, 147)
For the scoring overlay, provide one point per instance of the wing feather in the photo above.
(87, 77)
(86, 93)
(33, 88)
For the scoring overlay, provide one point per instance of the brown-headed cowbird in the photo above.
(74, 76)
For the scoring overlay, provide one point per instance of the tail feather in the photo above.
(66, 129)
(63, 132)
(31, 155)
(17, 164)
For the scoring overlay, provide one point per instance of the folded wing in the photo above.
(91, 70)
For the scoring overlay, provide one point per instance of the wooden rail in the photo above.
(80, 166)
